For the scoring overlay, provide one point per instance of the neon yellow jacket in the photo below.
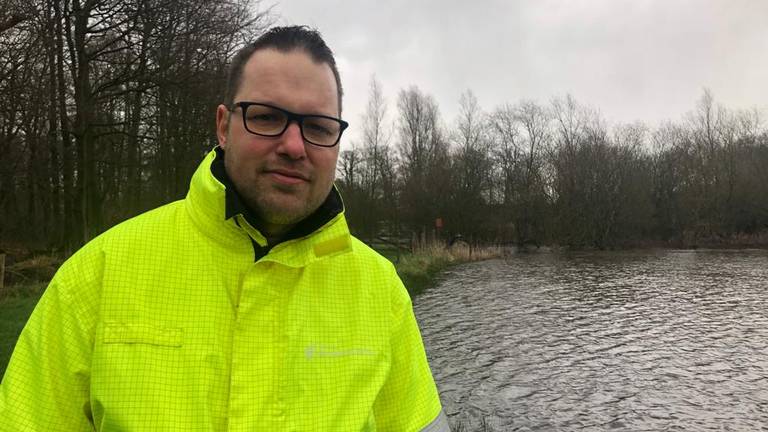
(166, 323)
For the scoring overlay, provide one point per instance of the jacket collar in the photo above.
(235, 205)
(221, 214)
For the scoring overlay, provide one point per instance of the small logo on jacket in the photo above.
(313, 351)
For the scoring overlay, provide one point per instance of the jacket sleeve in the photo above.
(45, 387)
(408, 401)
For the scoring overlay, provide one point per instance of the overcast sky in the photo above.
(646, 60)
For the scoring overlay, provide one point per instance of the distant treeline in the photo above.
(556, 173)
(107, 106)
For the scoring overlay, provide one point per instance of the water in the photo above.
(639, 341)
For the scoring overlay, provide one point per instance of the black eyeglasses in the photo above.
(271, 121)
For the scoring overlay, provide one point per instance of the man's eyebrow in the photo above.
(302, 111)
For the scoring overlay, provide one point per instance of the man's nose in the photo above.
(292, 143)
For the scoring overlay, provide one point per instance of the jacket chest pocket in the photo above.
(147, 376)
(146, 334)
(137, 364)
(136, 354)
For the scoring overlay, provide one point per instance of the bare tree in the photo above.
(531, 206)
(424, 160)
(472, 168)
(376, 152)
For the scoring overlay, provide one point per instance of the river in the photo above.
(638, 341)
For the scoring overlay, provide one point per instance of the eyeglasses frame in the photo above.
(292, 116)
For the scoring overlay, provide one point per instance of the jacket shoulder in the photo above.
(163, 220)
(371, 258)
(379, 268)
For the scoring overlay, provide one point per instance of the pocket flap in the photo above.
(132, 333)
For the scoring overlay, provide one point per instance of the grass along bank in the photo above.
(419, 269)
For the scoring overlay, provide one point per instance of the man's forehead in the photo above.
(265, 59)
(272, 71)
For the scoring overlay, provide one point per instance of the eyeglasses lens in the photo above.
(265, 120)
(268, 121)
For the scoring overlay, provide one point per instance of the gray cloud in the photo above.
(644, 60)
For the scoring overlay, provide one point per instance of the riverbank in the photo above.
(419, 270)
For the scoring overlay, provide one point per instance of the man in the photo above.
(246, 306)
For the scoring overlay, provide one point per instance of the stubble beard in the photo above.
(273, 204)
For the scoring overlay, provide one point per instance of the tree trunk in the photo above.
(69, 241)
(84, 110)
(53, 169)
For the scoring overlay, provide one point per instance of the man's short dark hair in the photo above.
(283, 39)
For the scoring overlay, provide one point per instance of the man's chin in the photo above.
(284, 212)
(278, 207)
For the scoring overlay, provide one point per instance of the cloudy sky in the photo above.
(646, 60)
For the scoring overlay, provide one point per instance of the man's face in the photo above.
(281, 178)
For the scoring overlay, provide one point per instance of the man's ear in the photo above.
(222, 125)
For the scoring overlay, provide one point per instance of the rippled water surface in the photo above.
(665, 340)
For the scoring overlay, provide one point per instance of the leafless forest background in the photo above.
(106, 108)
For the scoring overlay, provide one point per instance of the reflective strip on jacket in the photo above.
(166, 323)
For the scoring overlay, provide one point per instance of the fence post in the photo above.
(2, 272)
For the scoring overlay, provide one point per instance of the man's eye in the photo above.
(264, 117)
(317, 128)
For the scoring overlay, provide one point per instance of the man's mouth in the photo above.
(287, 176)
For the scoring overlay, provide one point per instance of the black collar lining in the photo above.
(234, 205)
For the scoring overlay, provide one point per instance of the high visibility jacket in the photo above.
(167, 323)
